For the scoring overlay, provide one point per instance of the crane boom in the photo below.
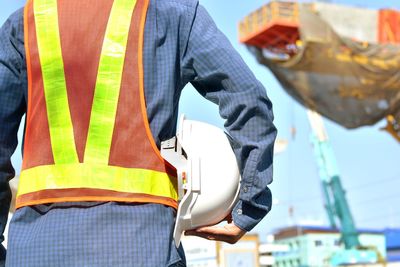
(336, 203)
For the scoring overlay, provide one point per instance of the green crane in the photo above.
(336, 205)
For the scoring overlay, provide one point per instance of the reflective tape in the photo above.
(55, 89)
(84, 175)
(108, 83)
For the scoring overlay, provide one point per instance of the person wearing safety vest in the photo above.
(99, 82)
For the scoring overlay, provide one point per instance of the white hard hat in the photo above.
(208, 175)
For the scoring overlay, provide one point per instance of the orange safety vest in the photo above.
(87, 133)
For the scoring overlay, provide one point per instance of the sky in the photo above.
(368, 159)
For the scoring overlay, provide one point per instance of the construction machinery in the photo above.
(336, 204)
(340, 61)
(345, 70)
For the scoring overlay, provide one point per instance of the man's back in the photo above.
(181, 45)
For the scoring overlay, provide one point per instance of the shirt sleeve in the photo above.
(218, 73)
(12, 108)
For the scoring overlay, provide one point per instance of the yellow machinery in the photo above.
(328, 61)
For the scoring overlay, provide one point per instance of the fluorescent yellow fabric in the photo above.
(96, 176)
(55, 90)
(108, 83)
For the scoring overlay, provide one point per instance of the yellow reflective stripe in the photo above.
(83, 175)
(108, 83)
(55, 90)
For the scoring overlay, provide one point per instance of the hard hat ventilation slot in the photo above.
(183, 152)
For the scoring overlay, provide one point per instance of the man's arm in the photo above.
(217, 71)
(12, 108)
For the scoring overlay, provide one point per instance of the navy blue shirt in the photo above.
(182, 45)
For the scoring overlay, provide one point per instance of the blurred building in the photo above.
(393, 245)
(204, 253)
(311, 246)
(267, 251)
